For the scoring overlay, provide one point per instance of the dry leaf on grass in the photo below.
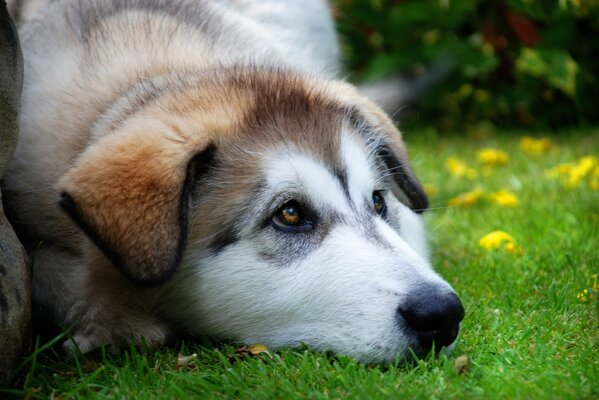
(182, 360)
(461, 364)
(251, 351)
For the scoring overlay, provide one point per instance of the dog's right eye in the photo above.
(290, 217)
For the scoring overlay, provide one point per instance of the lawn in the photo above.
(530, 329)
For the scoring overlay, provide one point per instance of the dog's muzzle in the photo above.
(434, 316)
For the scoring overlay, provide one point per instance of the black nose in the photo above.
(434, 316)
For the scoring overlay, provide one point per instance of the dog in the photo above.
(195, 166)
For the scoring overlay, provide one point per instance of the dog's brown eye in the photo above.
(379, 203)
(290, 218)
(289, 215)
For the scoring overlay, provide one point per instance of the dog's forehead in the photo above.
(312, 140)
(344, 177)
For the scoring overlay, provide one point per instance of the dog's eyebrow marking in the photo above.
(291, 171)
(342, 177)
(358, 163)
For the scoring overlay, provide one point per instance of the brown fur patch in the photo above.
(128, 189)
(128, 194)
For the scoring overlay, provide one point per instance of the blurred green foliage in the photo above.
(513, 63)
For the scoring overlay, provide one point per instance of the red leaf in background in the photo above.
(523, 28)
(494, 38)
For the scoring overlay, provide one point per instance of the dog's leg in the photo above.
(56, 279)
(90, 293)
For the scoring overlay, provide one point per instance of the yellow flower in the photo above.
(579, 171)
(458, 168)
(496, 239)
(466, 199)
(492, 157)
(590, 293)
(558, 171)
(430, 189)
(574, 178)
(586, 164)
(534, 146)
(511, 248)
(585, 296)
(572, 174)
(503, 198)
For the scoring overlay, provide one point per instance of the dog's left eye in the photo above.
(290, 217)
(378, 201)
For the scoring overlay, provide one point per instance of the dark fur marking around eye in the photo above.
(223, 240)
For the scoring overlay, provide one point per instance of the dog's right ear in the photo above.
(130, 193)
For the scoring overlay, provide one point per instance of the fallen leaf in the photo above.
(252, 350)
(461, 364)
(184, 360)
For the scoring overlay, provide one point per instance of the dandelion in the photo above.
(586, 164)
(585, 296)
(492, 157)
(496, 239)
(534, 146)
(466, 199)
(503, 198)
(572, 174)
(430, 189)
(458, 168)
(511, 248)
(590, 293)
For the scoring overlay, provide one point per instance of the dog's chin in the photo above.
(402, 351)
(419, 352)
(404, 354)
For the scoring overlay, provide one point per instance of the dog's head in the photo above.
(285, 205)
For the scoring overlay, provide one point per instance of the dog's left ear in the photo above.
(130, 193)
(395, 159)
(368, 119)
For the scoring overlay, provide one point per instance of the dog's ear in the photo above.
(130, 193)
(378, 129)
(395, 159)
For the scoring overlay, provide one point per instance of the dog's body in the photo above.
(217, 182)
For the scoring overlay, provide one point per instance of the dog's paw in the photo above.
(116, 335)
(81, 343)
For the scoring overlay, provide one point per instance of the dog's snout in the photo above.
(434, 316)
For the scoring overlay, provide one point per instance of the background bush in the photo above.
(511, 62)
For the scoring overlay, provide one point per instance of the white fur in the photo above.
(296, 172)
(361, 179)
(343, 296)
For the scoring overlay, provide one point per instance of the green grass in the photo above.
(526, 334)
